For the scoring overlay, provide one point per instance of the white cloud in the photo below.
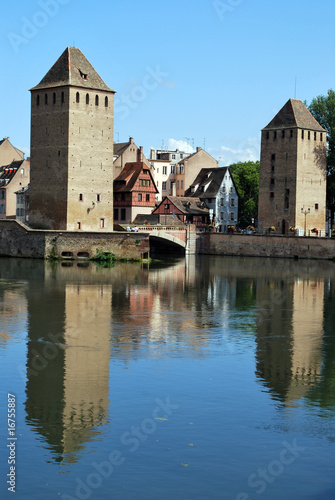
(247, 150)
(184, 146)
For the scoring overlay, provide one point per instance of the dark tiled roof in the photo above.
(210, 177)
(294, 114)
(129, 175)
(72, 68)
(120, 147)
(188, 204)
(8, 171)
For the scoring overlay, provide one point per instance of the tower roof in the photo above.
(72, 68)
(294, 114)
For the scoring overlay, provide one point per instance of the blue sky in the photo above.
(209, 73)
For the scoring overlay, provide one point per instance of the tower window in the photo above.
(302, 134)
(45, 98)
(77, 97)
(272, 168)
(309, 135)
(275, 135)
(54, 98)
(316, 206)
(63, 97)
(283, 133)
(78, 225)
(286, 202)
(37, 100)
(314, 136)
(97, 100)
(102, 223)
(272, 195)
(267, 134)
(273, 156)
(272, 182)
(291, 133)
(106, 102)
(98, 197)
(87, 99)
(321, 137)
(81, 197)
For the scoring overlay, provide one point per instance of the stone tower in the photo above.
(72, 111)
(292, 179)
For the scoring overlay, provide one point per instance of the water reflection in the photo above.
(68, 360)
(80, 319)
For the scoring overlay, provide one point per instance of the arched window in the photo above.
(97, 100)
(87, 99)
(54, 98)
(63, 97)
(37, 100)
(77, 97)
(45, 98)
(106, 102)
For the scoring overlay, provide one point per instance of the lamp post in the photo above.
(305, 212)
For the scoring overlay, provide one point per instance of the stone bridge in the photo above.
(180, 236)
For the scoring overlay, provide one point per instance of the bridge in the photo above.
(182, 237)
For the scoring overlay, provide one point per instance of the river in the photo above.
(194, 379)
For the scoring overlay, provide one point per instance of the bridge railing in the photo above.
(160, 228)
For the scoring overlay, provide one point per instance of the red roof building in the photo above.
(134, 192)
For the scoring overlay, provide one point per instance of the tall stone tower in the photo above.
(292, 180)
(72, 112)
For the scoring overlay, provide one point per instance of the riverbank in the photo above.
(17, 240)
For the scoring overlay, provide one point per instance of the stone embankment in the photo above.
(17, 240)
(251, 245)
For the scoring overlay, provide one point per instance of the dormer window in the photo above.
(83, 75)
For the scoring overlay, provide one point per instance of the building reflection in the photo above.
(81, 318)
(290, 336)
(68, 362)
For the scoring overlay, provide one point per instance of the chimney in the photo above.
(152, 154)
(131, 140)
(198, 149)
(140, 154)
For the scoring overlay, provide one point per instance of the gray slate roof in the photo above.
(294, 114)
(210, 177)
(72, 68)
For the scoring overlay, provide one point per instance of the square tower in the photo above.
(72, 112)
(292, 177)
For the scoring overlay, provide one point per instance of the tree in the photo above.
(323, 109)
(246, 178)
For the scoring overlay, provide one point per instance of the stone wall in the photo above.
(266, 246)
(16, 240)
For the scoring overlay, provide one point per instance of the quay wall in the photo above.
(17, 240)
(248, 245)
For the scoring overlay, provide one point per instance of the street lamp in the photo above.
(305, 212)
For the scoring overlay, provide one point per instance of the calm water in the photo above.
(210, 378)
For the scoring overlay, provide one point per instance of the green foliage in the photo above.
(246, 178)
(323, 109)
(104, 259)
(53, 255)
